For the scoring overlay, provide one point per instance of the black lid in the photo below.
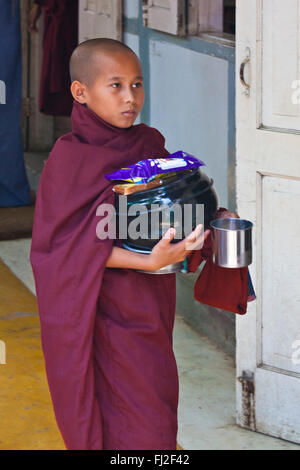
(195, 179)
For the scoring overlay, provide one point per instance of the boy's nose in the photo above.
(129, 96)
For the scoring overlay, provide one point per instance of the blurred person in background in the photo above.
(60, 37)
(14, 187)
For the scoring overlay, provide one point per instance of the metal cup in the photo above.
(232, 242)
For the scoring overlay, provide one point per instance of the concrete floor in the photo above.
(206, 374)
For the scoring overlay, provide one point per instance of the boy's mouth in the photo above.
(129, 113)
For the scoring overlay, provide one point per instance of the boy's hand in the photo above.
(33, 17)
(165, 253)
(224, 213)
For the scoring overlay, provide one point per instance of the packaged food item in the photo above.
(139, 180)
(159, 180)
(130, 188)
(147, 170)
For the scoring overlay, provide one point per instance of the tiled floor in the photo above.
(206, 374)
(27, 420)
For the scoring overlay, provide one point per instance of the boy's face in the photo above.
(117, 93)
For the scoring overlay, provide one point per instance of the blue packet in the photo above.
(146, 170)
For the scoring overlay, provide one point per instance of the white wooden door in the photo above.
(268, 193)
(100, 19)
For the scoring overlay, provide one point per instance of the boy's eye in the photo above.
(135, 85)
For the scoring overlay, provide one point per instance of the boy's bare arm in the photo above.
(121, 258)
(163, 254)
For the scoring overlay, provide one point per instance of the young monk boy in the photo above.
(106, 328)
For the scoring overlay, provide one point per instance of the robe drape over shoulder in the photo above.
(59, 40)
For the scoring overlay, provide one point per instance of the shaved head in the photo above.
(107, 78)
(85, 61)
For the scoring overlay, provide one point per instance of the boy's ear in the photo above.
(79, 91)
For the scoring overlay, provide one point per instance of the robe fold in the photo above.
(60, 38)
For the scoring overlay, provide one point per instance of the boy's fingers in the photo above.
(196, 244)
(193, 241)
(169, 235)
(193, 235)
(206, 234)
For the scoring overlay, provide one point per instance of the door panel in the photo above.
(268, 193)
(280, 273)
(281, 64)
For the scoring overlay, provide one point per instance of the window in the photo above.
(229, 16)
(213, 19)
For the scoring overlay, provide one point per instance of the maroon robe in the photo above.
(59, 40)
(106, 332)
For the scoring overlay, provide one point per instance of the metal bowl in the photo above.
(232, 242)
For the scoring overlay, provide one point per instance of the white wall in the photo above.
(132, 41)
(189, 106)
(131, 8)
